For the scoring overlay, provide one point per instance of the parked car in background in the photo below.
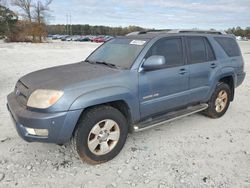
(72, 38)
(81, 38)
(76, 38)
(91, 37)
(84, 39)
(64, 38)
(240, 38)
(56, 37)
(100, 40)
(107, 38)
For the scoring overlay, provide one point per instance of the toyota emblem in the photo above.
(17, 92)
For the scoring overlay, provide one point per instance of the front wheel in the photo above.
(100, 135)
(219, 102)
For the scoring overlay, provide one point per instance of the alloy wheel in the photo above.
(103, 137)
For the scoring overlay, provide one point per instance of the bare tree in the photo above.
(25, 6)
(40, 13)
(35, 12)
(41, 10)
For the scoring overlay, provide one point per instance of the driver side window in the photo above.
(170, 48)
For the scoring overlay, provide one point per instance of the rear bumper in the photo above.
(60, 125)
(240, 78)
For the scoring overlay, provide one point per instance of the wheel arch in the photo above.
(120, 105)
(225, 75)
(229, 80)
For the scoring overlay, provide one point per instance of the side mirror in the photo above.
(154, 62)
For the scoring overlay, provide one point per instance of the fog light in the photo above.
(30, 131)
(42, 132)
(37, 132)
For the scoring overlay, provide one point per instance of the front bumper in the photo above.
(60, 125)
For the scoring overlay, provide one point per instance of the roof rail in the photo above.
(178, 31)
(148, 31)
(197, 31)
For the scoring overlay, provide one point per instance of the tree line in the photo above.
(8, 21)
(238, 31)
(90, 30)
(116, 31)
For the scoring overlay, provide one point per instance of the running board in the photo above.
(171, 116)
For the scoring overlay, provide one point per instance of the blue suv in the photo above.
(129, 83)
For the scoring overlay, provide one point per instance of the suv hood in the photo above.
(63, 76)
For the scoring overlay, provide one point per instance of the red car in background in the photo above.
(99, 39)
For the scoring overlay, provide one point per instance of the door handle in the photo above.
(213, 65)
(182, 71)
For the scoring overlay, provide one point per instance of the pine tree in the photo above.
(8, 19)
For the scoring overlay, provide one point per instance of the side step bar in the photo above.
(168, 117)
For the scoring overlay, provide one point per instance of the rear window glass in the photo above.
(229, 45)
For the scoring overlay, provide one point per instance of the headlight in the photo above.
(43, 98)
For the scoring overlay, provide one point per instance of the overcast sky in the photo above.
(218, 14)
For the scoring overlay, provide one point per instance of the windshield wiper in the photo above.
(107, 64)
(88, 61)
(102, 63)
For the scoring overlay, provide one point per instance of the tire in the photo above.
(218, 105)
(96, 139)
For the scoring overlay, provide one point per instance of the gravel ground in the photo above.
(194, 151)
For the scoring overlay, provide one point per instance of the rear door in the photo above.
(164, 89)
(202, 64)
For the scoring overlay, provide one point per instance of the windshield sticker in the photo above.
(138, 42)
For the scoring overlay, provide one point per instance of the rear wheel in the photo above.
(100, 135)
(219, 102)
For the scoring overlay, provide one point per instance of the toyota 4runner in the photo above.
(129, 83)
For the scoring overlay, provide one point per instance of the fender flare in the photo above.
(225, 72)
(106, 95)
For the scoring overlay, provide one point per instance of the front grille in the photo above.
(22, 93)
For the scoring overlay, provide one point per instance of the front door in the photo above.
(164, 89)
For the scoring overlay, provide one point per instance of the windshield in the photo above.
(118, 52)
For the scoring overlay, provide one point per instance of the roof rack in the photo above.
(149, 31)
(178, 31)
(197, 31)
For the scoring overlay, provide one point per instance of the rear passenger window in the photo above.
(229, 45)
(210, 52)
(170, 48)
(197, 50)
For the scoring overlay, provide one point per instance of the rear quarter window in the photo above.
(229, 45)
